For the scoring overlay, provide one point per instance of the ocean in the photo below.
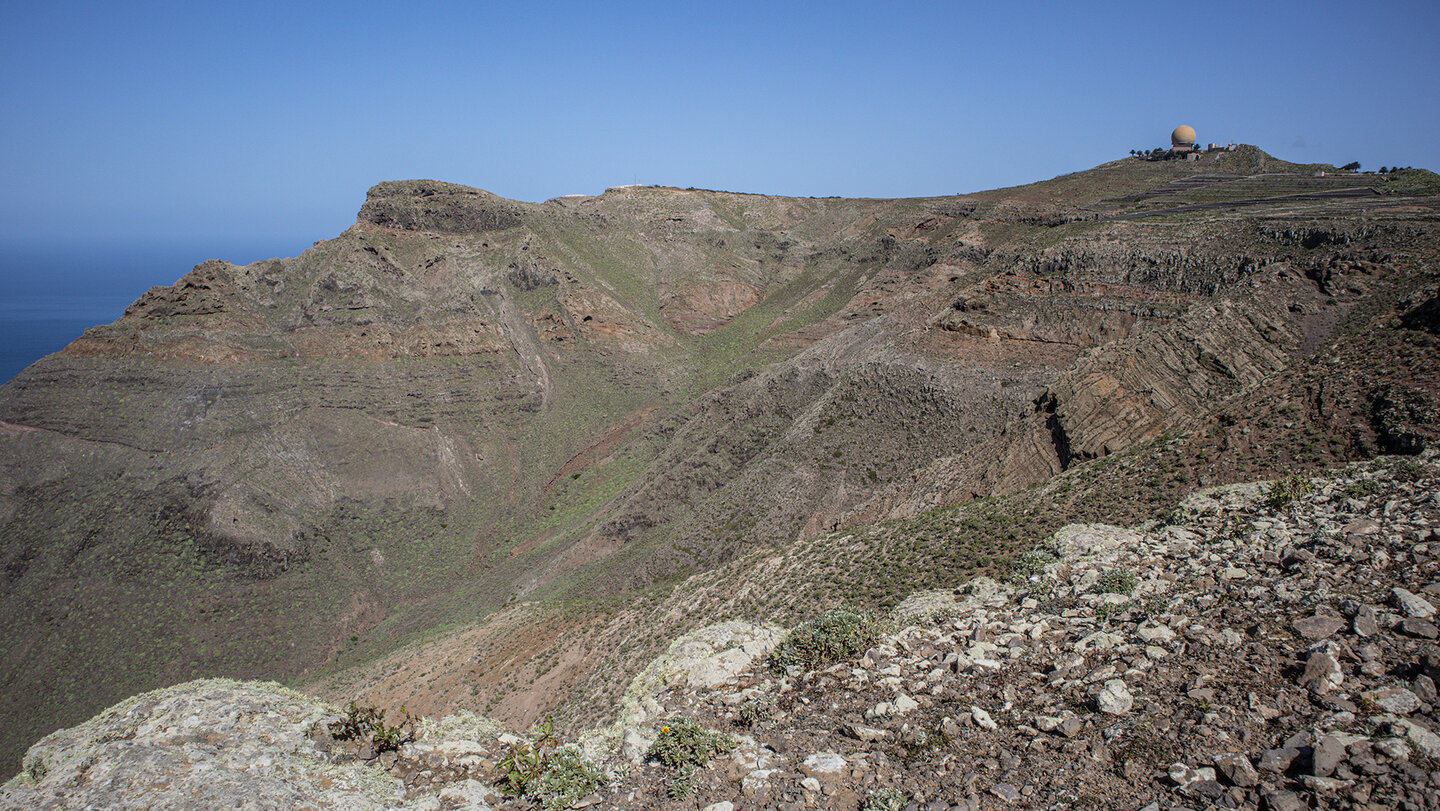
(33, 326)
(51, 291)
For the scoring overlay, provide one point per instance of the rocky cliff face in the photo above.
(464, 405)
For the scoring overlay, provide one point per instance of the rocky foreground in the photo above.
(1274, 646)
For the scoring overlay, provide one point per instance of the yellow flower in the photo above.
(664, 729)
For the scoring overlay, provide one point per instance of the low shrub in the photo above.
(1030, 567)
(1153, 607)
(683, 742)
(542, 771)
(683, 783)
(886, 799)
(1361, 488)
(1287, 491)
(685, 747)
(566, 779)
(526, 761)
(1117, 581)
(837, 634)
(756, 709)
(1110, 612)
(367, 724)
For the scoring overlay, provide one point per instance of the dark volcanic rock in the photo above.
(428, 205)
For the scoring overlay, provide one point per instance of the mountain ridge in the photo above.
(464, 402)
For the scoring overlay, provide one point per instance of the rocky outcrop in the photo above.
(1272, 648)
(429, 205)
(1123, 393)
(1136, 389)
(204, 744)
(203, 291)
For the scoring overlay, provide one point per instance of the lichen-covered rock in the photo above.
(1115, 699)
(1218, 499)
(1092, 540)
(212, 743)
(701, 659)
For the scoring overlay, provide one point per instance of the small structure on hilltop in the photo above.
(1182, 146)
(1182, 139)
(1182, 143)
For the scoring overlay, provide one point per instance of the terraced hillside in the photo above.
(474, 436)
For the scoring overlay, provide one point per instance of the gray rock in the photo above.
(1318, 626)
(1324, 785)
(824, 765)
(1419, 628)
(465, 794)
(1153, 634)
(213, 743)
(1237, 770)
(634, 744)
(1006, 792)
(1424, 689)
(1209, 789)
(1393, 748)
(756, 780)
(1419, 737)
(1277, 761)
(1115, 698)
(1329, 753)
(983, 719)
(867, 734)
(1079, 540)
(1298, 741)
(1362, 526)
(1182, 775)
(1364, 623)
(950, 728)
(1412, 605)
(1395, 700)
(1284, 801)
(1322, 672)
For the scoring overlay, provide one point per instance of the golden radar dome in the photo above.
(1183, 136)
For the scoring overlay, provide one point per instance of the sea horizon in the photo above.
(35, 325)
(52, 291)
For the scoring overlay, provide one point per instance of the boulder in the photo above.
(212, 743)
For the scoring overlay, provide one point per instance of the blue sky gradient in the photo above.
(257, 127)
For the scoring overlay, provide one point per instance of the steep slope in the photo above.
(1271, 645)
(294, 467)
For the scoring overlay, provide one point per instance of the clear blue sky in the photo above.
(256, 127)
